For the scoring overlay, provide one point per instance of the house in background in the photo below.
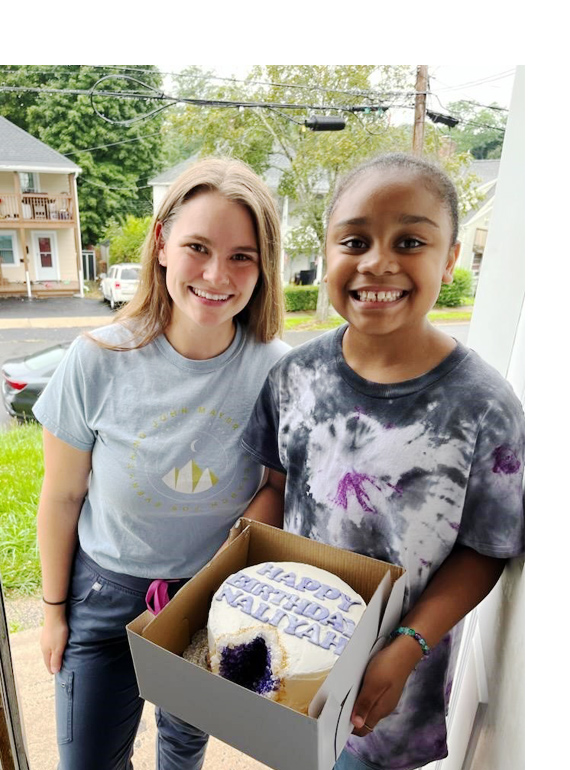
(474, 226)
(40, 239)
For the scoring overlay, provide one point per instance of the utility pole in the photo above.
(420, 111)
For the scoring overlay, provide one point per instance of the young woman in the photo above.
(144, 472)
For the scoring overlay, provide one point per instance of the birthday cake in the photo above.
(278, 629)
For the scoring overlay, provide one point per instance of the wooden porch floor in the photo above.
(40, 289)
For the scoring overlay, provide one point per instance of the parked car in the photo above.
(23, 379)
(120, 283)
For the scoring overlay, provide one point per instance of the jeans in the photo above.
(98, 708)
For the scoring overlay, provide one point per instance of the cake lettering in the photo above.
(296, 603)
(316, 612)
(331, 639)
(321, 590)
(299, 605)
(347, 602)
(259, 613)
(294, 623)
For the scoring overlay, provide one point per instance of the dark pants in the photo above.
(98, 708)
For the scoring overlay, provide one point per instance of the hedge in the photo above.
(454, 294)
(301, 298)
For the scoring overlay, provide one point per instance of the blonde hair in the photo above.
(149, 313)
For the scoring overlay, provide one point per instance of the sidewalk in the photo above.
(36, 696)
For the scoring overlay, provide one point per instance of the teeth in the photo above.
(379, 296)
(207, 295)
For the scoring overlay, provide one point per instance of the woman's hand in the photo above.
(384, 679)
(53, 638)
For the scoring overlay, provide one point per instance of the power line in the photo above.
(156, 95)
(374, 93)
(480, 81)
(112, 144)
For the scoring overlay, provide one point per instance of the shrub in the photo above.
(301, 298)
(126, 239)
(454, 294)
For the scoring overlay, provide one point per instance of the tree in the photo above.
(116, 160)
(481, 130)
(309, 163)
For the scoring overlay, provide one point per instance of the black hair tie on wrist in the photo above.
(53, 604)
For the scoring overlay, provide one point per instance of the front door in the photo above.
(45, 257)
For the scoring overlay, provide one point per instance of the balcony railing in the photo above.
(36, 207)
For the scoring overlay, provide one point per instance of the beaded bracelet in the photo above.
(405, 631)
(53, 604)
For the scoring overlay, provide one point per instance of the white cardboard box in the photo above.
(270, 732)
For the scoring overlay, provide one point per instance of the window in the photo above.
(8, 255)
(131, 273)
(29, 182)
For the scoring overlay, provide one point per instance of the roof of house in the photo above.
(487, 171)
(20, 151)
(278, 164)
(168, 176)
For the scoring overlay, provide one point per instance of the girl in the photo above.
(399, 443)
(144, 473)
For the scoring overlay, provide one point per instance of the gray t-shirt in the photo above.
(403, 473)
(169, 477)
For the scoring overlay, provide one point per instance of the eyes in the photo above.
(405, 243)
(200, 248)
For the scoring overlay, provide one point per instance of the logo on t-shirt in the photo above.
(191, 479)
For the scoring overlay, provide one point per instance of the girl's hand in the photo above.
(53, 638)
(384, 680)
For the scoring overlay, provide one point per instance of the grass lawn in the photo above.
(21, 473)
(305, 321)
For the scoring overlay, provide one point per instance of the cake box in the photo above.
(270, 732)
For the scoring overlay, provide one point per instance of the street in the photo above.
(16, 342)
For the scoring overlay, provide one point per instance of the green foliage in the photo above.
(307, 164)
(300, 242)
(481, 131)
(21, 474)
(301, 298)
(113, 182)
(454, 294)
(126, 240)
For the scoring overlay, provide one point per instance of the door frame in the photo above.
(51, 234)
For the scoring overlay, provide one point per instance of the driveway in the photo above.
(53, 307)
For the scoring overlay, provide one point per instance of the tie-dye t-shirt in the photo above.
(400, 472)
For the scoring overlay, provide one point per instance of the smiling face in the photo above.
(212, 263)
(388, 251)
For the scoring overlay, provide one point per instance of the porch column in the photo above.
(77, 230)
(22, 233)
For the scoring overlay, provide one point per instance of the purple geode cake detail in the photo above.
(249, 665)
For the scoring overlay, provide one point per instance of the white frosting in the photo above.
(305, 617)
